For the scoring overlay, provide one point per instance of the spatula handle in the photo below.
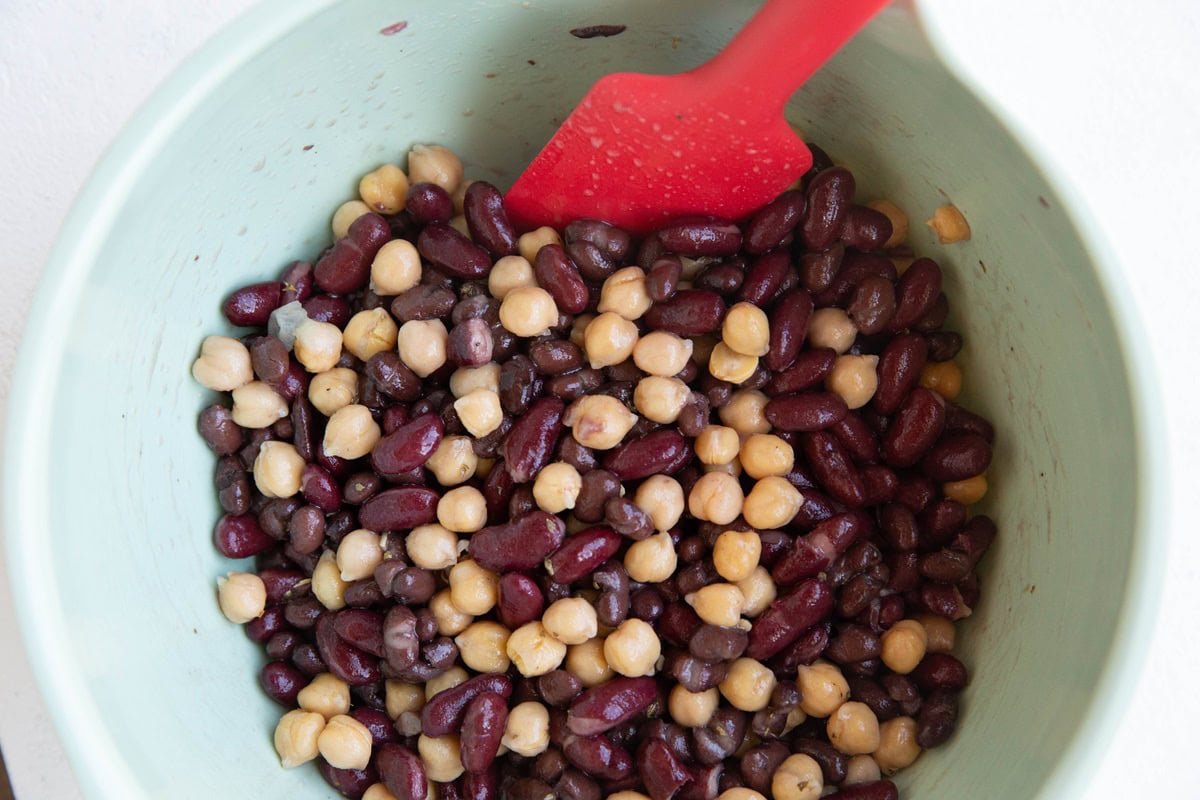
(781, 46)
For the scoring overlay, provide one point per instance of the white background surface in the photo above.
(1108, 88)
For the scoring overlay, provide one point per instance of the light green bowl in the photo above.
(234, 168)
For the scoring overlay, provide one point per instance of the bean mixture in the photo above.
(563, 514)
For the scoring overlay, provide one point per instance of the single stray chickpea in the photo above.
(833, 328)
(746, 330)
(692, 709)
(898, 746)
(242, 596)
(527, 730)
(402, 696)
(854, 379)
(473, 589)
(333, 389)
(904, 646)
(898, 219)
(661, 399)
(968, 490)
(533, 651)
(432, 547)
(358, 554)
(717, 444)
(223, 364)
(662, 353)
(454, 461)
(442, 756)
(433, 163)
(571, 620)
(528, 311)
(726, 364)
(759, 590)
(736, 553)
(764, 454)
(609, 339)
(370, 332)
(633, 648)
(651, 560)
(318, 345)
(326, 694)
(943, 377)
(396, 268)
(939, 633)
(465, 380)
(351, 432)
(556, 487)
(587, 663)
(344, 216)
(748, 685)
(949, 224)
(661, 497)
(345, 743)
(528, 244)
(482, 647)
(256, 405)
(384, 189)
(277, 469)
(718, 604)
(296, 737)
(599, 421)
(853, 729)
(624, 293)
(744, 412)
(772, 503)
(799, 777)
(508, 273)
(462, 510)
(327, 583)
(717, 498)
(450, 619)
(823, 688)
(421, 344)
(479, 412)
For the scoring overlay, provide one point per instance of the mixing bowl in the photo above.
(234, 168)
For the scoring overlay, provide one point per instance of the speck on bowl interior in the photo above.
(234, 168)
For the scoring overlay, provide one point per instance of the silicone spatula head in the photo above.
(639, 150)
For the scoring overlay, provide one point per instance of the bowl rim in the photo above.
(97, 762)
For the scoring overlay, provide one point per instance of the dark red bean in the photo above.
(854, 643)
(787, 617)
(402, 772)
(453, 253)
(241, 536)
(916, 492)
(558, 687)
(282, 682)
(814, 552)
(940, 521)
(558, 275)
(280, 583)
(705, 785)
(809, 369)
(662, 278)
(714, 643)
(612, 606)
(721, 737)
(483, 206)
(269, 359)
(832, 762)
(520, 600)
(915, 428)
(370, 232)
(943, 345)
(378, 723)
(678, 624)
(582, 554)
(806, 411)
(611, 241)
(829, 196)
(320, 489)
(938, 717)
(356, 667)
(624, 517)
(774, 222)
(759, 764)
(428, 202)
(531, 442)
(555, 356)
(818, 270)
(598, 757)
(519, 544)
(959, 420)
(661, 452)
(296, 282)
(764, 277)
(408, 446)
(482, 728)
(691, 312)
(857, 437)
(361, 628)
(232, 483)
(251, 306)
(916, 293)
(945, 601)
(348, 782)
(935, 317)
(328, 308)
(402, 508)
(528, 789)
(343, 268)
(661, 772)
(940, 671)
(610, 704)
(957, 458)
(904, 692)
(788, 329)
(872, 790)
(832, 467)
(701, 236)
(222, 435)
(423, 302)
(518, 384)
(865, 228)
(898, 525)
(444, 712)
(875, 697)
(946, 566)
(470, 343)
(899, 370)
(872, 305)
(401, 644)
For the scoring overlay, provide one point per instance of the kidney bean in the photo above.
(678, 624)
(857, 437)
(450, 251)
(320, 489)
(555, 356)
(914, 430)
(530, 443)
(661, 772)
(241, 536)
(809, 369)
(444, 712)
(872, 305)
(408, 446)
(880, 484)
(764, 277)
(940, 522)
(558, 275)
(519, 544)
(940, 672)
(611, 703)
(598, 757)
(423, 302)
(488, 222)
(916, 492)
(694, 674)
(806, 411)
(612, 606)
(370, 232)
(875, 697)
(721, 277)
(348, 782)
(961, 421)
(832, 467)
(975, 539)
(935, 317)
(898, 525)
(308, 660)
(854, 643)
(787, 617)
(401, 508)
(233, 486)
(296, 282)
(661, 452)
(610, 240)
(328, 308)
(814, 552)
(222, 435)
(829, 196)
(945, 566)
(871, 790)
(356, 667)
(623, 515)
(470, 343)
(773, 223)
(575, 785)
(701, 236)
(482, 728)
(943, 345)
(705, 784)
(428, 202)
(774, 544)
(864, 228)
(662, 277)
(597, 487)
(858, 558)
(281, 644)
(788, 329)
(343, 268)
(957, 458)
(362, 629)
(251, 306)
(916, 293)
(899, 370)
(282, 682)
(759, 764)
(714, 643)
(582, 553)
(402, 772)
(721, 737)
(818, 270)
(549, 765)
(360, 487)
(857, 595)
(401, 645)
(528, 789)
(280, 583)
(520, 600)
(363, 593)
(945, 601)
(832, 762)
(937, 720)
(691, 312)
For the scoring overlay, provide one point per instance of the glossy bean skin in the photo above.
(611, 703)
(558, 275)
(453, 253)
(807, 648)
(252, 305)
(484, 785)
(401, 508)
(832, 467)
(701, 236)
(957, 458)
(713, 643)
(871, 790)
(854, 643)
(402, 772)
(482, 728)
(690, 312)
(818, 270)
(348, 782)
(520, 544)
(787, 617)
(423, 302)
(609, 240)
(808, 369)
(829, 196)
(443, 714)
(354, 666)
(241, 536)
(343, 268)
(520, 601)
(916, 293)
(805, 411)
(815, 551)
(721, 737)
(898, 372)
(582, 554)
(774, 222)
(428, 202)
(296, 282)
(361, 628)
(759, 763)
(532, 439)
(598, 757)
(661, 452)
(559, 688)
(937, 720)
(865, 228)
(408, 446)
(832, 762)
(788, 329)
(872, 305)
(488, 222)
(661, 771)
(959, 420)
(917, 425)
(764, 277)
(662, 278)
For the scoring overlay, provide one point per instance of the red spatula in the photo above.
(643, 149)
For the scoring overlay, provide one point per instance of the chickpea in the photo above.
(528, 311)
(795, 718)
(421, 344)
(277, 469)
(692, 709)
(326, 694)
(662, 353)
(333, 389)
(831, 327)
(718, 604)
(435, 164)
(717, 444)
(454, 461)
(943, 377)
(949, 224)
(459, 196)
(318, 345)
(256, 405)
(853, 729)
(587, 663)
(746, 330)
(479, 412)
(402, 696)
(968, 490)
(455, 676)
(661, 399)
(764, 454)
(898, 219)
(599, 421)
(384, 189)
(451, 620)
(799, 777)
(939, 633)
(377, 791)
(748, 685)
(528, 244)
(242, 596)
(370, 332)
(904, 646)
(351, 432)
(462, 510)
(473, 589)
(571, 620)
(442, 757)
(432, 547)
(744, 412)
(772, 503)
(296, 737)
(736, 793)
(609, 339)
(759, 590)
(661, 497)
(652, 559)
(223, 365)
(624, 293)
(823, 688)
(627, 794)
(508, 273)
(898, 746)
(396, 268)
(345, 743)
(345, 215)
(465, 380)
(579, 329)
(527, 731)
(861, 769)
(727, 365)
(556, 487)
(717, 498)
(482, 647)
(854, 379)
(736, 554)
(359, 553)
(327, 583)
(534, 651)
(633, 648)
